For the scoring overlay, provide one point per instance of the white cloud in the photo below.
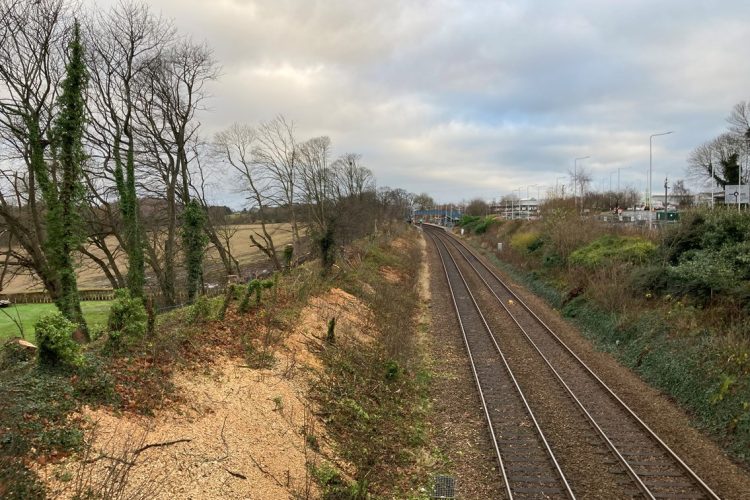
(466, 98)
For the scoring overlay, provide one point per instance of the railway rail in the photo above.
(653, 469)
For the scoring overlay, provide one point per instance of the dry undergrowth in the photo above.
(237, 432)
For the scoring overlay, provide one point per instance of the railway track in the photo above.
(653, 469)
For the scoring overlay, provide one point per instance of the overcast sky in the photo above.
(478, 98)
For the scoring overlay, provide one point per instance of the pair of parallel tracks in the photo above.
(527, 463)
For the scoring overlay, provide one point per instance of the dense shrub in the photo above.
(564, 233)
(609, 248)
(484, 224)
(54, 334)
(201, 310)
(706, 230)
(707, 254)
(476, 224)
(526, 241)
(128, 321)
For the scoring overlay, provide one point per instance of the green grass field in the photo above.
(95, 313)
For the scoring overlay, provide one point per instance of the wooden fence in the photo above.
(43, 297)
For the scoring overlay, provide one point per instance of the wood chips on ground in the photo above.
(240, 434)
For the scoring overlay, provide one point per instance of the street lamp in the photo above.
(575, 181)
(650, 172)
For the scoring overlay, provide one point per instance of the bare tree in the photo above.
(276, 153)
(218, 229)
(580, 180)
(681, 194)
(123, 44)
(477, 206)
(739, 120)
(423, 201)
(173, 88)
(235, 146)
(352, 178)
(718, 159)
(316, 182)
(32, 39)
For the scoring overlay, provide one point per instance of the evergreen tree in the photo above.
(64, 190)
(730, 167)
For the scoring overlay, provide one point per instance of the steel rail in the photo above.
(650, 432)
(567, 489)
(633, 475)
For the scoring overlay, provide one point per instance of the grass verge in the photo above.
(95, 313)
(373, 395)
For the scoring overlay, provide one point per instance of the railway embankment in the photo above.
(669, 305)
(306, 385)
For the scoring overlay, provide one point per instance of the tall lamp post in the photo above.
(575, 181)
(650, 172)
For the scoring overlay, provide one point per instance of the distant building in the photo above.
(527, 208)
(443, 217)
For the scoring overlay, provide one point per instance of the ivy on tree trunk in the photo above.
(194, 241)
(63, 193)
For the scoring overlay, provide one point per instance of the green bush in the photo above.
(201, 310)
(476, 224)
(469, 221)
(54, 336)
(707, 254)
(526, 241)
(484, 224)
(255, 287)
(609, 248)
(128, 321)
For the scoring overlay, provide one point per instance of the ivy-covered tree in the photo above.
(194, 241)
(63, 190)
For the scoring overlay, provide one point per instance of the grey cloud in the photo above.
(466, 98)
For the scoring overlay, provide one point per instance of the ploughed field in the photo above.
(557, 428)
(90, 276)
